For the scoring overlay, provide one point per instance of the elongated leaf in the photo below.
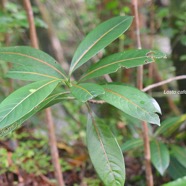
(86, 91)
(178, 182)
(132, 101)
(175, 169)
(128, 59)
(23, 101)
(159, 156)
(170, 125)
(99, 38)
(44, 104)
(31, 64)
(179, 153)
(105, 153)
(131, 144)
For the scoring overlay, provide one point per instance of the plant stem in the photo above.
(148, 169)
(50, 124)
(164, 82)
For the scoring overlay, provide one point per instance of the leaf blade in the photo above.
(131, 144)
(179, 153)
(159, 156)
(127, 59)
(170, 125)
(24, 100)
(131, 101)
(44, 104)
(175, 169)
(98, 39)
(30, 60)
(105, 153)
(86, 91)
(178, 182)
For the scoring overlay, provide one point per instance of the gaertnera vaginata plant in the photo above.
(52, 85)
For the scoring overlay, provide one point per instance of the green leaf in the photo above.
(159, 156)
(105, 153)
(49, 101)
(175, 169)
(170, 125)
(86, 91)
(128, 59)
(22, 101)
(179, 153)
(31, 64)
(99, 38)
(57, 98)
(131, 144)
(178, 182)
(132, 101)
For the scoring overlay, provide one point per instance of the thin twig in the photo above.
(148, 169)
(50, 124)
(164, 82)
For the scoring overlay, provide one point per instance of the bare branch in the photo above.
(164, 82)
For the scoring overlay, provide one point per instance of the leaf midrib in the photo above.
(75, 85)
(104, 151)
(113, 63)
(120, 95)
(23, 72)
(26, 98)
(91, 46)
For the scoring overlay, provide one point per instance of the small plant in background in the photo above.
(52, 85)
(31, 156)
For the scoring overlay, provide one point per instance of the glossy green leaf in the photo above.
(31, 64)
(132, 101)
(86, 91)
(49, 101)
(179, 153)
(159, 156)
(131, 144)
(105, 153)
(23, 101)
(128, 59)
(170, 125)
(178, 182)
(175, 169)
(99, 38)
